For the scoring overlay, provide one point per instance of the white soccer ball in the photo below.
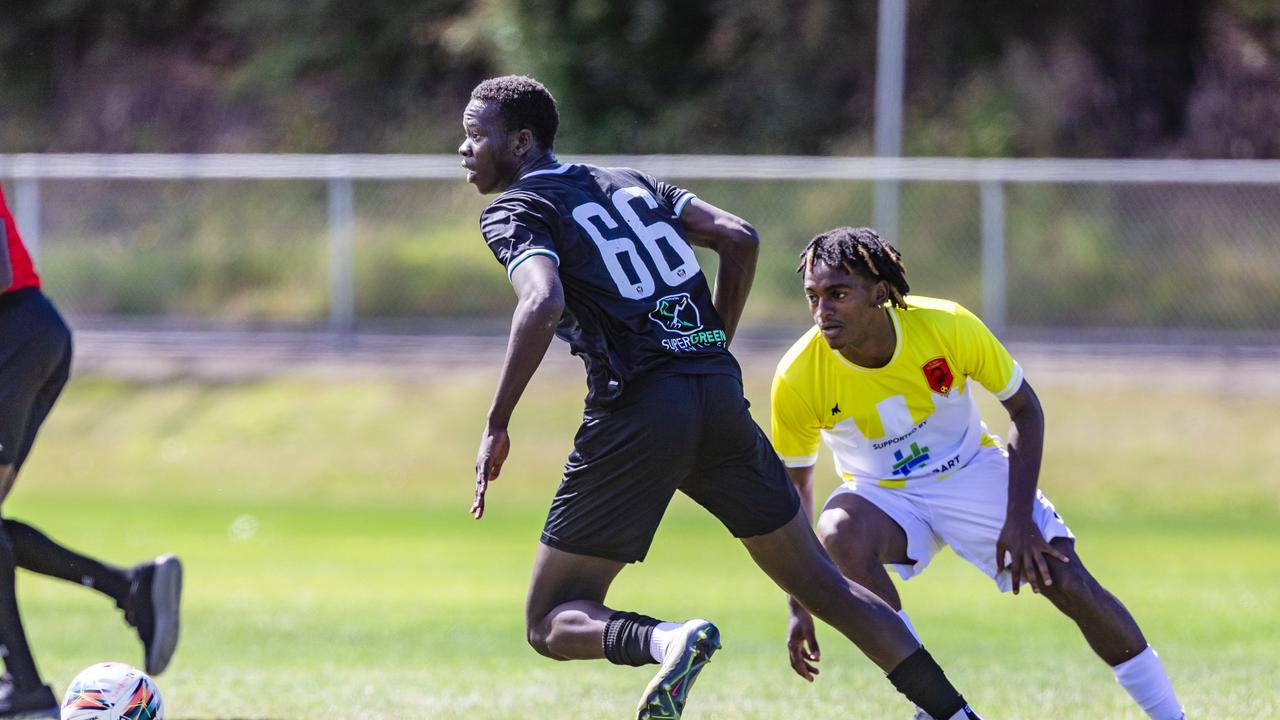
(112, 691)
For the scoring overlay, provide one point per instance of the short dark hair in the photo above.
(522, 103)
(861, 251)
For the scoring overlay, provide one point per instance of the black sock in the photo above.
(34, 551)
(921, 679)
(626, 638)
(18, 661)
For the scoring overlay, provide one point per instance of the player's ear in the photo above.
(879, 294)
(522, 142)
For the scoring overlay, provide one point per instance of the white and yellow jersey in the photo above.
(911, 420)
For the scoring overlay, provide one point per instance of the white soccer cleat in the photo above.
(685, 657)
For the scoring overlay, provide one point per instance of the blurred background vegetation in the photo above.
(1089, 78)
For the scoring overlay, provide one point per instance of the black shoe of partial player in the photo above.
(37, 702)
(152, 608)
(665, 697)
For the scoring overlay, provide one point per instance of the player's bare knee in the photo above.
(1073, 586)
(828, 530)
(539, 637)
(846, 540)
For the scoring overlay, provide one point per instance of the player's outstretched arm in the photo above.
(737, 244)
(538, 311)
(1021, 538)
(802, 636)
(802, 478)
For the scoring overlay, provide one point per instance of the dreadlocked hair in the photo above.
(861, 252)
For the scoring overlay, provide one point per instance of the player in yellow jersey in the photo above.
(886, 380)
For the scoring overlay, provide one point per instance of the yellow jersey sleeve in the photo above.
(982, 357)
(795, 428)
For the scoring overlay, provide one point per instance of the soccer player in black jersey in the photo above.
(601, 257)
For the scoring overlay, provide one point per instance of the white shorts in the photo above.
(965, 510)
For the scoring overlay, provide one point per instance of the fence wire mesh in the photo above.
(1121, 256)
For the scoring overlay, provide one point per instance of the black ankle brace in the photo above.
(626, 638)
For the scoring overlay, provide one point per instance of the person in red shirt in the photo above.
(35, 361)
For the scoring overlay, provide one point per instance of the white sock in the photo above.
(1144, 678)
(662, 635)
(965, 713)
(903, 614)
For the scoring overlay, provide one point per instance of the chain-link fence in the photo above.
(1135, 249)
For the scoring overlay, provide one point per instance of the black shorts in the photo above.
(667, 432)
(35, 360)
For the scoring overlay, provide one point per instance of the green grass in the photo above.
(332, 569)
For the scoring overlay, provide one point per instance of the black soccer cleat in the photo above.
(37, 702)
(153, 609)
(666, 694)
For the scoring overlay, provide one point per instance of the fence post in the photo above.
(342, 311)
(27, 214)
(891, 41)
(993, 256)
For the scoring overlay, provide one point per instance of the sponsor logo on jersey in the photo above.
(691, 342)
(677, 314)
(905, 464)
(938, 374)
(951, 464)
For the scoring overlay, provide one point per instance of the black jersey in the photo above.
(635, 299)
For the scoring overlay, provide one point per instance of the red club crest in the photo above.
(938, 374)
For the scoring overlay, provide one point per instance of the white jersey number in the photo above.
(612, 249)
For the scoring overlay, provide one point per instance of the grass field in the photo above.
(332, 569)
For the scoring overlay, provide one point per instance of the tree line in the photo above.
(1088, 78)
